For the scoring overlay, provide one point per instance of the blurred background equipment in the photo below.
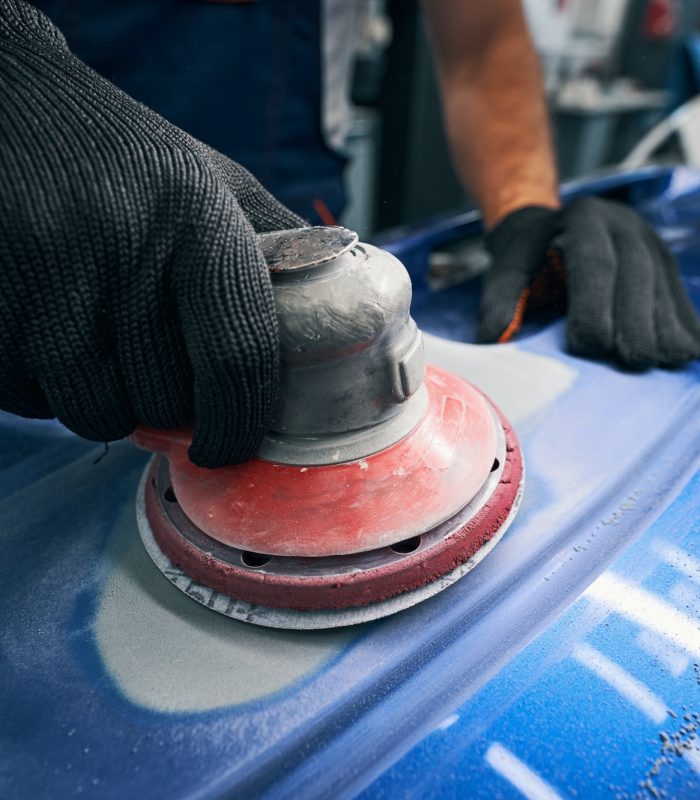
(615, 71)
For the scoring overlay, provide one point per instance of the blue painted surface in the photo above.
(495, 670)
(566, 722)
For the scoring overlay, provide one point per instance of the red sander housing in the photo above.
(381, 481)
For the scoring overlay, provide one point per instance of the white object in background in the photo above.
(602, 18)
(550, 27)
(684, 123)
(550, 24)
(573, 35)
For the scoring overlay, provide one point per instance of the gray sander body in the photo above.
(352, 359)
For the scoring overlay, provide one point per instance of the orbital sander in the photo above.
(381, 481)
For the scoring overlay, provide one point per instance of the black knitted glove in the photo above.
(132, 289)
(624, 297)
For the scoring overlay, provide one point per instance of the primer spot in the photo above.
(520, 383)
(170, 654)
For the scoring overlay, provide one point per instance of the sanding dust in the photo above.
(168, 653)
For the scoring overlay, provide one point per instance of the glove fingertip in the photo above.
(635, 360)
(679, 355)
(489, 327)
(489, 331)
(231, 417)
(213, 450)
(201, 454)
(591, 337)
(500, 323)
(215, 444)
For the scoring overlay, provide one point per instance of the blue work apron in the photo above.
(244, 77)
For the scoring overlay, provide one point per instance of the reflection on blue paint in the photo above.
(584, 707)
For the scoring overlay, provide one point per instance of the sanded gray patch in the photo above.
(520, 383)
(169, 654)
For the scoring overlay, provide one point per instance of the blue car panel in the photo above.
(565, 664)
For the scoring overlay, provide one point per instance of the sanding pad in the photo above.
(328, 591)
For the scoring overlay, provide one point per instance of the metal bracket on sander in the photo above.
(379, 484)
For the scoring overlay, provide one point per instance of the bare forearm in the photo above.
(494, 104)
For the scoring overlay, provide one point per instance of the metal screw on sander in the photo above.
(352, 360)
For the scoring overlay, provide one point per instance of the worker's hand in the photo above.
(132, 289)
(625, 300)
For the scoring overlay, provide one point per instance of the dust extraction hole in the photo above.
(254, 560)
(407, 546)
(496, 464)
(169, 495)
